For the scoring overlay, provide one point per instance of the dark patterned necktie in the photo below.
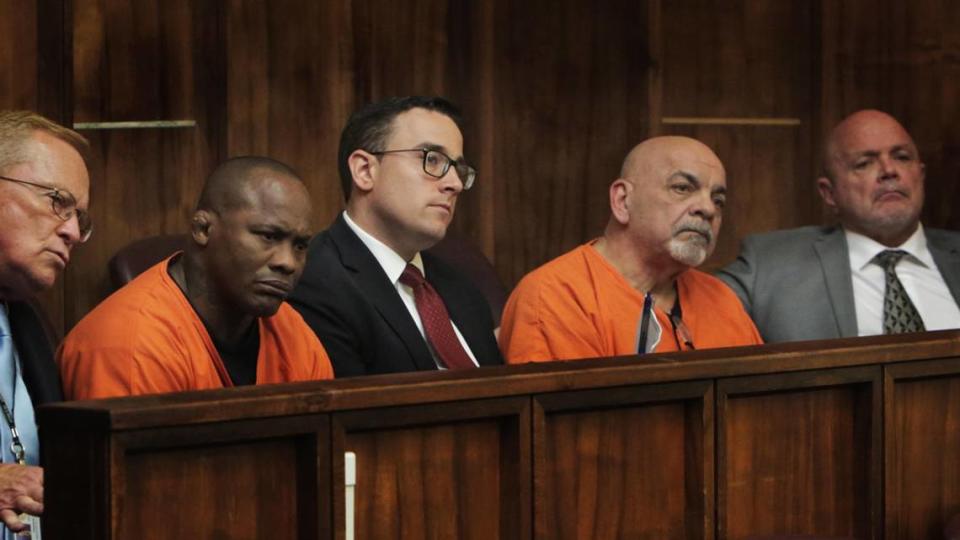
(899, 313)
(436, 320)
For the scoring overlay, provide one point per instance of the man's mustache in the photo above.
(700, 228)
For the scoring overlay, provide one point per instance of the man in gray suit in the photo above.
(879, 271)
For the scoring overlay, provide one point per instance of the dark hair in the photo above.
(369, 127)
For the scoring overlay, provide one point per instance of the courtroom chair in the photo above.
(136, 257)
(454, 250)
(952, 530)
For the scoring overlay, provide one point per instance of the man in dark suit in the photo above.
(44, 192)
(378, 302)
(879, 272)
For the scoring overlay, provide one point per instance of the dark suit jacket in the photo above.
(796, 284)
(345, 296)
(34, 347)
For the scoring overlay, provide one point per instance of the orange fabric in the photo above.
(146, 338)
(580, 306)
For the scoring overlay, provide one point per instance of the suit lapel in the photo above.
(374, 284)
(947, 258)
(35, 350)
(831, 248)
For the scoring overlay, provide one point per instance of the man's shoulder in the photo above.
(569, 267)
(789, 238)
(148, 300)
(943, 237)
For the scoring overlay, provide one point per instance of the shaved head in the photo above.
(227, 187)
(652, 153)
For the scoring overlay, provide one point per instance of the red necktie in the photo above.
(436, 320)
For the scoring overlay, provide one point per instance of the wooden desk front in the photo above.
(857, 438)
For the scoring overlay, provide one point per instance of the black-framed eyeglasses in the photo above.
(437, 164)
(64, 205)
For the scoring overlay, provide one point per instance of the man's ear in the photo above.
(200, 226)
(825, 188)
(620, 192)
(363, 167)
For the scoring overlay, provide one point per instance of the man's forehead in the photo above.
(422, 126)
(871, 133)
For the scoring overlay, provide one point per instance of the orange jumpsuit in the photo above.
(579, 306)
(146, 338)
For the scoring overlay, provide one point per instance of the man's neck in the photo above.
(225, 323)
(643, 272)
(381, 232)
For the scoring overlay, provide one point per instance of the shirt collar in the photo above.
(391, 262)
(863, 248)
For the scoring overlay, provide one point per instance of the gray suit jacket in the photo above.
(796, 283)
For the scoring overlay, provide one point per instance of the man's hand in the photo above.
(21, 490)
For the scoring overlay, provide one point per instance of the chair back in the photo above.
(136, 257)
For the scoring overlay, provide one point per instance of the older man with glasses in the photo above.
(44, 191)
(378, 302)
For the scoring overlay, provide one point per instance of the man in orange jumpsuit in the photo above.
(635, 289)
(215, 315)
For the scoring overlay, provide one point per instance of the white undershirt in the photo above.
(917, 272)
(393, 265)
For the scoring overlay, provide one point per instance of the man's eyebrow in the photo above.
(719, 190)
(439, 148)
(688, 176)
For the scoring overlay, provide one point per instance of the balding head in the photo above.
(227, 187)
(669, 199)
(874, 178)
(853, 131)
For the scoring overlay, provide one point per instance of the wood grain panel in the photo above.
(289, 89)
(800, 461)
(457, 471)
(142, 61)
(213, 492)
(923, 448)
(569, 104)
(432, 482)
(624, 463)
(18, 54)
(743, 58)
(906, 63)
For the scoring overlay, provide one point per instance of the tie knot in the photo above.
(889, 258)
(411, 276)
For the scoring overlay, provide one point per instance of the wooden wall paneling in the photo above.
(737, 75)
(570, 102)
(800, 453)
(19, 55)
(142, 61)
(609, 463)
(289, 89)
(905, 63)
(922, 443)
(468, 478)
(30, 56)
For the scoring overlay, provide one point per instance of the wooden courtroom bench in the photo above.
(856, 438)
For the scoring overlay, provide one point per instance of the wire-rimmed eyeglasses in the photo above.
(64, 205)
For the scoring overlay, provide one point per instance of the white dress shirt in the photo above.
(393, 265)
(917, 272)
